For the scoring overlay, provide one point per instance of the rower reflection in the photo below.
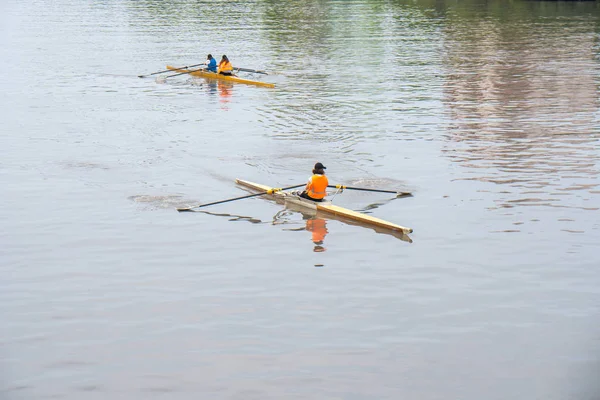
(212, 87)
(313, 224)
(318, 228)
(225, 91)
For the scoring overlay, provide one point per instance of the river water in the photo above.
(487, 111)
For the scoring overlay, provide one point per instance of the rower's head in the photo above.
(225, 58)
(319, 169)
(209, 57)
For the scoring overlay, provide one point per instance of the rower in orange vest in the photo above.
(316, 188)
(225, 67)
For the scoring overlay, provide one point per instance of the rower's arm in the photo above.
(308, 184)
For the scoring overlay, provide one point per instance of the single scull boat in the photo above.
(228, 78)
(326, 207)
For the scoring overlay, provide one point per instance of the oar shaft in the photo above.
(183, 73)
(220, 202)
(251, 70)
(168, 70)
(367, 190)
(240, 198)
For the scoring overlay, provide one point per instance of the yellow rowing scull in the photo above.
(326, 207)
(213, 75)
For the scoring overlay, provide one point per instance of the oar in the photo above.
(370, 190)
(168, 70)
(186, 72)
(252, 70)
(270, 191)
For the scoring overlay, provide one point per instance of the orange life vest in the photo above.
(317, 186)
(225, 66)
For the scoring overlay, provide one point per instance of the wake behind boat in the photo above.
(202, 73)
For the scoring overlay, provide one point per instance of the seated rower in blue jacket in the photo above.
(211, 64)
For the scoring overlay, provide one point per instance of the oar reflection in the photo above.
(232, 217)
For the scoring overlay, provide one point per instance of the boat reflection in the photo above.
(318, 228)
(315, 222)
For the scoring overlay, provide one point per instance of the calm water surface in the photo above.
(487, 111)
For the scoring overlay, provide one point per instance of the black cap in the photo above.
(320, 166)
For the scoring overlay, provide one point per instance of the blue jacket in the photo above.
(212, 65)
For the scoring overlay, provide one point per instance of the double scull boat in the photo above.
(213, 75)
(325, 207)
